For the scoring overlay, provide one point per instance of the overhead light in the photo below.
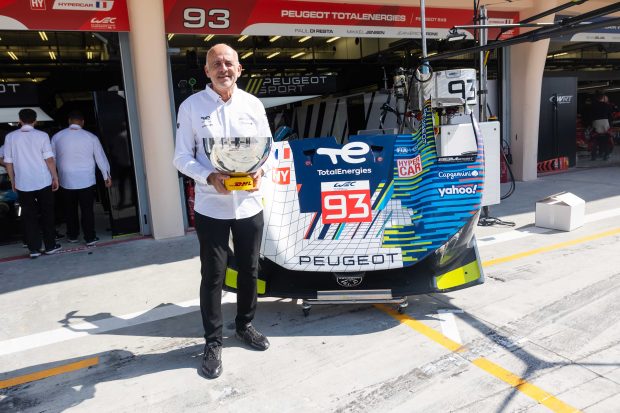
(597, 86)
(43, 36)
(332, 39)
(274, 38)
(209, 37)
(248, 54)
(274, 54)
(89, 55)
(13, 55)
(296, 55)
(612, 89)
(431, 54)
(303, 39)
(242, 38)
(170, 36)
(52, 55)
(557, 54)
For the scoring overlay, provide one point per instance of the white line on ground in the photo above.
(526, 232)
(19, 344)
(448, 324)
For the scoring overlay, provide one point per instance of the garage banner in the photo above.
(301, 18)
(79, 15)
(609, 33)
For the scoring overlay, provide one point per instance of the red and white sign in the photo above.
(345, 201)
(281, 176)
(408, 168)
(78, 15)
(305, 18)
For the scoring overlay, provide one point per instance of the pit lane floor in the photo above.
(117, 329)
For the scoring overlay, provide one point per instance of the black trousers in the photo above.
(85, 199)
(213, 235)
(38, 217)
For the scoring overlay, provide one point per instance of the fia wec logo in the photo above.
(105, 20)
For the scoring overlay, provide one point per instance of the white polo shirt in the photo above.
(77, 151)
(27, 149)
(203, 115)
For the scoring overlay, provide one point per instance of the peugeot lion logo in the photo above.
(349, 280)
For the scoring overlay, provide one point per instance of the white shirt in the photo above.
(203, 115)
(27, 149)
(77, 151)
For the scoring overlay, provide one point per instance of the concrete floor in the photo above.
(543, 332)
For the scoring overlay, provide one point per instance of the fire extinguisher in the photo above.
(505, 158)
(190, 196)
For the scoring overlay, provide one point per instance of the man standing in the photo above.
(30, 162)
(77, 151)
(223, 110)
(601, 117)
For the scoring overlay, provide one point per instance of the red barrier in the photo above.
(553, 165)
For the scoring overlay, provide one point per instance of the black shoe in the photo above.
(35, 254)
(92, 242)
(53, 250)
(212, 361)
(59, 236)
(253, 337)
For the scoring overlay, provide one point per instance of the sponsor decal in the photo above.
(458, 190)
(37, 5)
(281, 176)
(456, 159)
(103, 23)
(340, 171)
(561, 100)
(345, 201)
(347, 260)
(470, 173)
(352, 152)
(405, 150)
(409, 167)
(83, 5)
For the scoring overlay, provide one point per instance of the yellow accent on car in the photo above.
(459, 276)
(231, 281)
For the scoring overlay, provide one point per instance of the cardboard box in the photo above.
(564, 211)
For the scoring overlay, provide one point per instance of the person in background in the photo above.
(77, 152)
(601, 114)
(222, 109)
(30, 163)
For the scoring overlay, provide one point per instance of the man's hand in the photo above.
(256, 176)
(55, 184)
(217, 180)
(108, 182)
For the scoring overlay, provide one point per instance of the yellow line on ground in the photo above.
(536, 393)
(548, 248)
(523, 386)
(82, 364)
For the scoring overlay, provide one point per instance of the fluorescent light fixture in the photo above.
(89, 55)
(274, 38)
(248, 54)
(242, 38)
(170, 36)
(303, 39)
(612, 89)
(43, 36)
(13, 55)
(557, 54)
(209, 37)
(274, 54)
(431, 54)
(296, 55)
(332, 39)
(597, 86)
(52, 55)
